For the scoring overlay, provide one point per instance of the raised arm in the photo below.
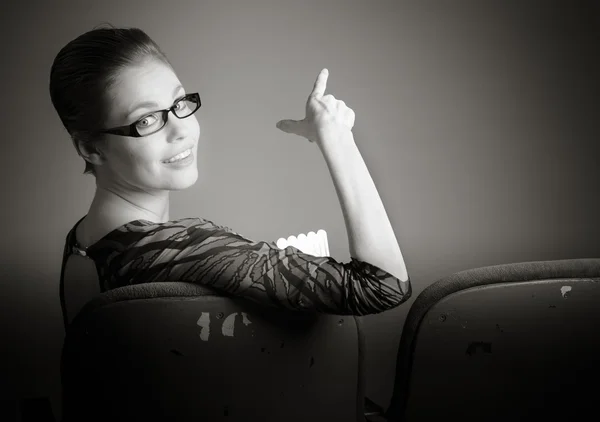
(329, 123)
(370, 233)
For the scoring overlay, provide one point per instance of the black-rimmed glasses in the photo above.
(155, 121)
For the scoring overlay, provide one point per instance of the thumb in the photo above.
(290, 126)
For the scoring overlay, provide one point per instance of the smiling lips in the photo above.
(179, 156)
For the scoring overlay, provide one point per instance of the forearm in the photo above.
(370, 233)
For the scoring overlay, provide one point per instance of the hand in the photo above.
(325, 116)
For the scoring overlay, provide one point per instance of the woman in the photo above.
(134, 125)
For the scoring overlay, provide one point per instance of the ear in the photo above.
(88, 151)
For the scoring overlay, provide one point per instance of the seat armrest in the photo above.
(376, 418)
(374, 412)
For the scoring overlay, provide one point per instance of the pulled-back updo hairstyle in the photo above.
(83, 72)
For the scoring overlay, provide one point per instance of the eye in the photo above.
(182, 103)
(147, 121)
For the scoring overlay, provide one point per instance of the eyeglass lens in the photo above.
(155, 121)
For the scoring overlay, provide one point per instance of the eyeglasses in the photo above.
(153, 122)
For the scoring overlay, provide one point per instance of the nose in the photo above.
(177, 128)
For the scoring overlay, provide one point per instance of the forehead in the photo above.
(150, 81)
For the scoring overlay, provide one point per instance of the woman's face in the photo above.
(140, 163)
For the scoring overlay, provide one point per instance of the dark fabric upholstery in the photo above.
(180, 298)
(576, 269)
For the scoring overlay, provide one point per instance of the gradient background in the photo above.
(477, 119)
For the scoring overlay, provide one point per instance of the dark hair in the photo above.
(86, 68)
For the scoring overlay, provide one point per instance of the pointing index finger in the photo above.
(320, 84)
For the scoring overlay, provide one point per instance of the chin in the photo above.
(184, 181)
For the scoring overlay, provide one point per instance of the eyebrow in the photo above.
(148, 104)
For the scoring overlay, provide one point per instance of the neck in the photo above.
(130, 204)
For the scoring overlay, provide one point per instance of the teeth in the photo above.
(179, 156)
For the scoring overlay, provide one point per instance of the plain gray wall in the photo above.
(476, 119)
